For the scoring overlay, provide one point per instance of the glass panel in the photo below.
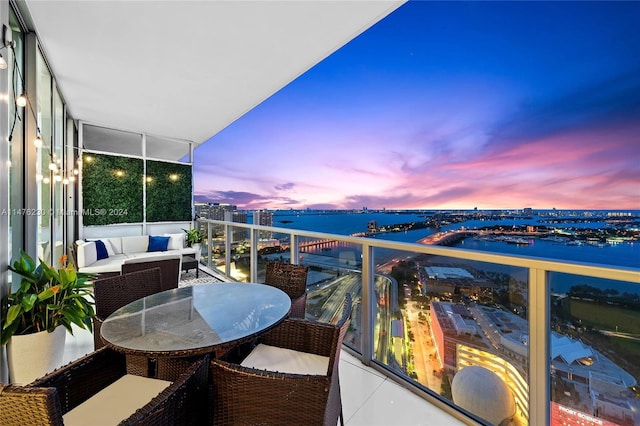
(168, 149)
(217, 245)
(58, 179)
(44, 175)
(110, 140)
(595, 348)
(335, 269)
(240, 253)
(456, 327)
(16, 140)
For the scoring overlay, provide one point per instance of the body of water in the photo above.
(625, 254)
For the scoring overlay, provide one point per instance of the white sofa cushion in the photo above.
(272, 358)
(110, 264)
(135, 244)
(176, 241)
(148, 256)
(116, 402)
(86, 253)
(113, 245)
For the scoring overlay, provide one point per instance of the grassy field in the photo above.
(606, 317)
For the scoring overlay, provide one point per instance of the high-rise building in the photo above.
(266, 219)
(218, 211)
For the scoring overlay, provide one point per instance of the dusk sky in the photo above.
(449, 105)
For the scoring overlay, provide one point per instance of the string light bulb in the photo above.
(45, 180)
(53, 167)
(65, 181)
(21, 100)
(38, 142)
(3, 63)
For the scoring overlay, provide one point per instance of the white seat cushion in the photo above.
(116, 402)
(110, 264)
(272, 358)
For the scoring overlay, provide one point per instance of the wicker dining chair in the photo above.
(46, 400)
(169, 269)
(292, 279)
(290, 377)
(112, 293)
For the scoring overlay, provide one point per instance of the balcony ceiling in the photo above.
(188, 69)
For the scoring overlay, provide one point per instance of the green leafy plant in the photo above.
(47, 297)
(194, 236)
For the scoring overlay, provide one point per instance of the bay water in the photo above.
(625, 254)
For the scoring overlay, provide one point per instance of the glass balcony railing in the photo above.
(486, 337)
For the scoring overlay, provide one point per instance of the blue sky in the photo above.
(449, 105)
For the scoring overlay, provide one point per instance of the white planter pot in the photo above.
(198, 248)
(33, 355)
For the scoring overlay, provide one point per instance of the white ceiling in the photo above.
(187, 69)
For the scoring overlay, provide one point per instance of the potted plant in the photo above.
(194, 239)
(47, 302)
(194, 236)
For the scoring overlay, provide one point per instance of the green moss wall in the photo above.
(168, 191)
(111, 189)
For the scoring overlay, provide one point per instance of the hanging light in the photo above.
(21, 100)
(72, 178)
(65, 181)
(45, 180)
(53, 167)
(3, 63)
(75, 171)
(38, 142)
(57, 178)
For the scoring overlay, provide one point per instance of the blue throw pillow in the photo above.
(101, 250)
(158, 243)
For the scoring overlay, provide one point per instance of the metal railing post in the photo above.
(209, 245)
(294, 249)
(539, 341)
(253, 255)
(366, 304)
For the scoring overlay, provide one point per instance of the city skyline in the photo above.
(449, 105)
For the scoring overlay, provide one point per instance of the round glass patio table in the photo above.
(195, 320)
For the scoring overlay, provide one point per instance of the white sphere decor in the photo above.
(483, 393)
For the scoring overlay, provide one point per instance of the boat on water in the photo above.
(518, 241)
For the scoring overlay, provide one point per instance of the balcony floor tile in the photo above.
(369, 399)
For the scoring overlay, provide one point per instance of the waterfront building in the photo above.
(265, 218)
(454, 280)
(498, 340)
(222, 211)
